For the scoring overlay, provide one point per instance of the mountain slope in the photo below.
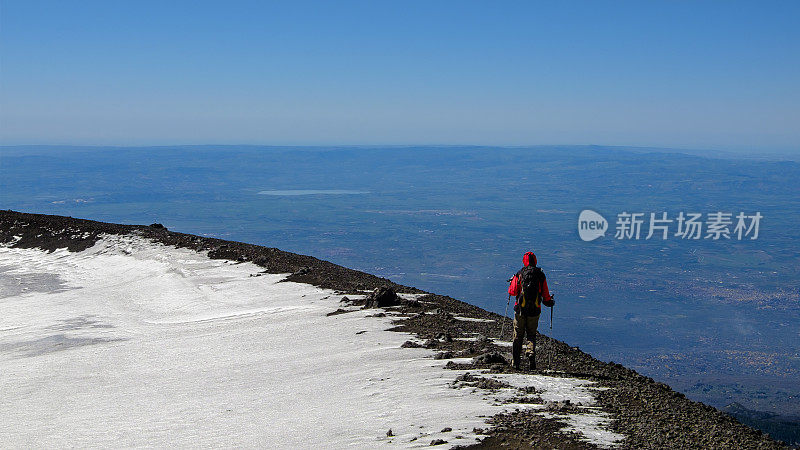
(138, 335)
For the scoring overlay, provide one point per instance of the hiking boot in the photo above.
(516, 352)
(532, 361)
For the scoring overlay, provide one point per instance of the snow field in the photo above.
(138, 344)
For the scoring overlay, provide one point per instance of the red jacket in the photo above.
(515, 287)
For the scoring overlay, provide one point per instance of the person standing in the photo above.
(529, 285)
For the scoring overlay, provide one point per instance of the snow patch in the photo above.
(472, 319)
(500, 343)
(410, 297)
(590, 422)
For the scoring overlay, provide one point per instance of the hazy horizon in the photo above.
(770, 154)
(705, 75)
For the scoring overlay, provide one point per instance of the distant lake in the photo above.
(312, 192)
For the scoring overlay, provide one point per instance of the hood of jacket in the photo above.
(529, 259)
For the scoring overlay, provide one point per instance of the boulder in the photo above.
(302, 271)
(490, 358)
(381, 297)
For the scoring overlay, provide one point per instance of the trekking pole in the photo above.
(505, 315)
(552, 341)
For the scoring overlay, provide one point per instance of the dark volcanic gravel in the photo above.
(647, 413)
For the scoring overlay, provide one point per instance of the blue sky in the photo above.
(718, 75)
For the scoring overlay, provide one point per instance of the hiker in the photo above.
(529, 285)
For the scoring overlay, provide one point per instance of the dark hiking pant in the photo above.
(524, 325)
